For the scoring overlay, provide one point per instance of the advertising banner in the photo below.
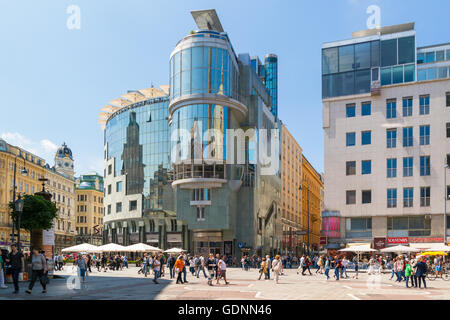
(397, 240)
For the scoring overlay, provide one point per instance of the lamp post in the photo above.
(24, 172)
(19, 208)
(307, 211)
(445, 203)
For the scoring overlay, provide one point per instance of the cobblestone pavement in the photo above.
(127, 284)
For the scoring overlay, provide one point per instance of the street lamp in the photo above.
(24, 172)
(19, 208)
(307, 210)
(445, 202)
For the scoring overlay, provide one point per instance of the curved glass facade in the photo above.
(197, 119)
(202, 69)
(138, 139)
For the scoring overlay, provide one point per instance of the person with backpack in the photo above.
(421, 272)
(39, 270)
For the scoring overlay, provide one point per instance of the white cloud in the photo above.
(44, 148)
(48, 146)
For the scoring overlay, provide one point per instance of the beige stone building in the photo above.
(89, 209)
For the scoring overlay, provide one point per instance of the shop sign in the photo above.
(323, 241)
(426, 240)
(396, 240)
(152, 237)
(379, 243)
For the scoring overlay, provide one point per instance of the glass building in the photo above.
(170, 179)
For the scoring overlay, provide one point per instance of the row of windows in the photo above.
(433, 56)
(391, 166)
(391, 196)
(391, 137)
(132, 207)
(391, 107)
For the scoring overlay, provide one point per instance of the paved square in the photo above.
(127, 284)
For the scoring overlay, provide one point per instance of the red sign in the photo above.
(323, 241)
(393, 240)
(426, 240)
(379, 243)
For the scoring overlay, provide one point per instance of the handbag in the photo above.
(8, 270)
(45, 279)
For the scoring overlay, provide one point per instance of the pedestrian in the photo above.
(413, 264)
(2, 272)
(192, 265)
(125, 261)
(371, 266)
(38, 270)
(327, 267)
(222, 269)
(344, 267)
(211, 265)
(178, 268)
(356, 263)
(17, 263)
(268, 265)
(262, 269)
(60, 262)
(156, 268)
(82, 265)
(337, 266)
(184, 256)
(408, 272)
(170, 264)
(421, 272)
(104, 262)
(276, 267)
(320, 265)
(55, 262)
(89, 262)
(202, 266)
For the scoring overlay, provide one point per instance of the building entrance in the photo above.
(205, 248)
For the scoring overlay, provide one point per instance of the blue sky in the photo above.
(53, 81)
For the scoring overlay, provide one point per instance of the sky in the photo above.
(54, 79)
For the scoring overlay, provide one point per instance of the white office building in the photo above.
(386, 121)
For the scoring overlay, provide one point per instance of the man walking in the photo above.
(201, 266)
(15, 259)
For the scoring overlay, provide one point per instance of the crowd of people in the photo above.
(410, 269)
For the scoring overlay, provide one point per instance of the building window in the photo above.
(408, 166)
(391, 138)
(425, 166)
(358, 227)
(408, 226)
(119, 186)
(110, 169)
(392, 198)
(424, 135)
(391, 165)
(366, 137)
(200, 214)
(407, 107)
(350, 110)
(109, 189)
(448, 159)
(448, 130)
(425, 195)
(173, 225)
(118, 207)
(424, 105)
(366, 196)
(366, 167)
(391, 109)
(200, 194)
(408, 137)
(366, 109)
(350, 168)
(350, 197)
(447, 95)
(350, 139)
(109, 209)
(408, 197)
(133, 205)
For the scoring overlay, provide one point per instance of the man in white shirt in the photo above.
(222, 270)
(156, 268)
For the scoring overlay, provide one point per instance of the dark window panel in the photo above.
(406, 50)
(388, 52)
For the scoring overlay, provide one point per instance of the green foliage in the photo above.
(38, 213)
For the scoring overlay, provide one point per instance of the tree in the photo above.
(38, 213)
